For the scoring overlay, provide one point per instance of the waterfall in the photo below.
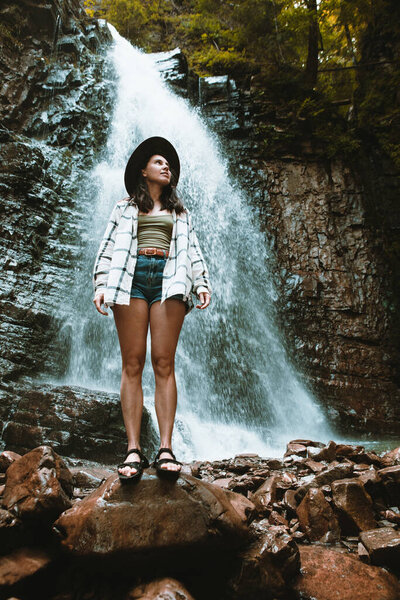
(237, 391)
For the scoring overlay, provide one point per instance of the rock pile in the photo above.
(242, 528)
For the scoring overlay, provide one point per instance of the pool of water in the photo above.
(379, 446)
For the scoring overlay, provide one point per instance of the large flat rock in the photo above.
(331, 575)
(155, 518)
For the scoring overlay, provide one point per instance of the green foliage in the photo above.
(220, 62)
(146, 23)
(9, 40)
(269, 40)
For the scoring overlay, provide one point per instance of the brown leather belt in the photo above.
(153, 252)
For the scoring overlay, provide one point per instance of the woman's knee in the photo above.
(163, 366)
(133, 368)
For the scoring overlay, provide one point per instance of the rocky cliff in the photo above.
(332, 248)
(53, 83)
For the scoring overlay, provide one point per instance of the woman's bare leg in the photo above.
(132, 323)
(165, 325)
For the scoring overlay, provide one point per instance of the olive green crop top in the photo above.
(155, 231)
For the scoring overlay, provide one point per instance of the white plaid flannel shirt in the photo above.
(185, 271)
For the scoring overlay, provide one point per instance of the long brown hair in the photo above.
(169, 198)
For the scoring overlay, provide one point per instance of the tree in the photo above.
(311, 70)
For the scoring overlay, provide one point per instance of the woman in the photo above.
(148, 265)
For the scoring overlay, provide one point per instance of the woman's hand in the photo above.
(204, 298)
(98, 301)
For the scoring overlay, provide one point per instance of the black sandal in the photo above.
(139, 466)
(158, 462)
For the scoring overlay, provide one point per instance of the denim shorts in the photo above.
(148, 277)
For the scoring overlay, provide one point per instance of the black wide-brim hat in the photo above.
(140, 156)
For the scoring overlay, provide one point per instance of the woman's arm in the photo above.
(104, 254)
(201, 280)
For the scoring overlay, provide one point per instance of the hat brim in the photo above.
(141, 155)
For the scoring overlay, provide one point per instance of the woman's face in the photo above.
(157, 170)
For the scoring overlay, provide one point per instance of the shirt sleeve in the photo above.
(201, 281)
(104, 254)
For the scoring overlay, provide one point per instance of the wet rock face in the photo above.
(21, 564)
(47, 47)
(383, 546)
(335, 289)
(162, 589)
(76, 422)
(38, 485)
(354, 506)
(319, 579)
(317, 518)
(191, 516)
(54, 109)
(267, 566)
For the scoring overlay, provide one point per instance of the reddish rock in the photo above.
(369, 476)
(363, 553)
(244, 508)
(328, 453)
(38, 485)
(392, 515)
(274, 464)
(347, 450)
(276, 518)
(255, 457)
(89, 478)
(292, 460)
(273, 490)
(390, 477)
(223, 482)
(196, 468)
(243, 463)
(6, 458)
(267, 567)
(314, 466)
(22, 563)
(268, 493)
(161, 589)
(295, 448)
(361, 467)
(241, 485)
(369, 458)
(391, 458)
(316, 517)
(372, 483)
(288, 479)
(11, 531)
(306, 443)
(153, 515)
(354, 506)
(331, 575)
(289, 500)
(383, 546)
(332, 473)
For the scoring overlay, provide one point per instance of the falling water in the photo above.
(237, 391)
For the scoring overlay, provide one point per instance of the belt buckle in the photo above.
(150, 251)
